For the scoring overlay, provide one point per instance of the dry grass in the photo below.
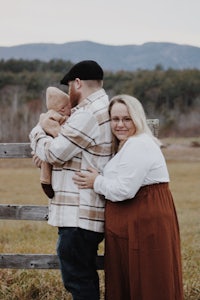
(20, 185)
(185, 188)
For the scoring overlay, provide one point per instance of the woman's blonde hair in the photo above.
(136, 112)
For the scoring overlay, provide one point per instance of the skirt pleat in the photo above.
(142, 247)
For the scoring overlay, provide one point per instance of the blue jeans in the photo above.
(77, 250)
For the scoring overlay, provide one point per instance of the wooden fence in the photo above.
(36, 213)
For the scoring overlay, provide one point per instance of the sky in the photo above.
(112, 22)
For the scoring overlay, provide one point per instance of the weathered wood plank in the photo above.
(28, 261)
(36, 261)
(24, 212)
(154, 126)
(15, 150)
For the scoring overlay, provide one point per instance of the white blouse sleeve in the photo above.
(129, 168)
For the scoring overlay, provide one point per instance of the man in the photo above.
(84, 140)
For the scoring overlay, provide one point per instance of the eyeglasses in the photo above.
(125, 120)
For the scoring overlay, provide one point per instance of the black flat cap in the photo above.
(84, 70)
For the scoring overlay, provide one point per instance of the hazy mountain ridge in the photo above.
(113, 58)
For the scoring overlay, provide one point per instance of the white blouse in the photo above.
(139, 162)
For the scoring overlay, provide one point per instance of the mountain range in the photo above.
(111, 58)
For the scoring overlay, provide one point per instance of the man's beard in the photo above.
(74, 98)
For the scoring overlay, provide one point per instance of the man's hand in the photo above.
(51, 122)
(54, 115)
(36, 160)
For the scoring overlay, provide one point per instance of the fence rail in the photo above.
(24, 212)
(30, 261)
(36, 261)
(35, 213)
(15, 150)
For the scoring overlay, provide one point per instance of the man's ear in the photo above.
(77, 83)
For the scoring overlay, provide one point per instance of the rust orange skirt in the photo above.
(142, 247)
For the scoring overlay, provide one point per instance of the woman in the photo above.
(142, 242)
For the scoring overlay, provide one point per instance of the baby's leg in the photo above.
(45, 179)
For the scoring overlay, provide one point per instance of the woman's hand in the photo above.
(85, 180)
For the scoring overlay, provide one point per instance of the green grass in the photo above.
(20, 185)
(185, 188)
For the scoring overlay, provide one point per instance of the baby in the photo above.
(59, 107)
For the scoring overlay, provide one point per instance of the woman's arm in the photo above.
(124, 176)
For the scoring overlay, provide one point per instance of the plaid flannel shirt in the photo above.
(84, 140)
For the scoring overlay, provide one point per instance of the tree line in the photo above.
(172, 96)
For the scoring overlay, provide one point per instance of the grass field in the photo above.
(20, 185)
